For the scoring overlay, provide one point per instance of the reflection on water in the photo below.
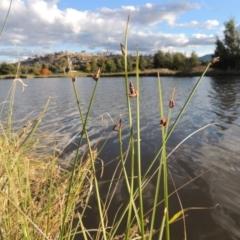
(226, 101)
(217, 100)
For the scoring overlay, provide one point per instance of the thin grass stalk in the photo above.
(25, 216)
(131, 201)
(105, 142)
(88, 197)
(109, 197)
(12, 95)
(83, 228)
(177, 119)
(49, 198)
(74, 163)
(122, 162)
(141, 207)
(131, 131)
(200, 129)
(10, 110)
(170, 110)
(1, 235)
(76, 155)
(93, 165)
(164, 159)
(158, 185)
(181, 206)
(153, 218)
(84, 131)
(162, 225)
(28, 138)
(5, 22)
(175, 123)
(193, 178)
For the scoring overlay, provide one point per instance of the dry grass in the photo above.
(33, 194)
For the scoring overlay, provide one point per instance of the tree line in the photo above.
(108, 64)
(227, 49)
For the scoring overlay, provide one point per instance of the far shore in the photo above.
(150, 72)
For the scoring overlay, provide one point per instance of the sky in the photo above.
(39, 27)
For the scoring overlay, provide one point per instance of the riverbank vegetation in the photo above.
(57, 64)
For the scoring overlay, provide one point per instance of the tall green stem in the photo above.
(177, 119)
(139, 148)
(164, 159)
(131, 132)
(5, 22)
(131, 200)
(84, 131)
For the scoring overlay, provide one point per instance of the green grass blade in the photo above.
(141, 207)
(29, 137)
(131, 129)
(177, 119)
(5, 22)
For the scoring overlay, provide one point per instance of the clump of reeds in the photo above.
(133, 215)
(35, 193)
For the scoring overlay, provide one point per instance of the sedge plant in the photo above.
(161, 155)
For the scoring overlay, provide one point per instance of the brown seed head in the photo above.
(171, 103)
(74, 79)
(216, 59)
(163, 122)
(122, 49)
(118, 126)
(133, 91)
(133, 95)
(96, 75)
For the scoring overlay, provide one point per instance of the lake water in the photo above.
(217, 100)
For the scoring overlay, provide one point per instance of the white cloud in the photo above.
(209, 24)
(41, 25)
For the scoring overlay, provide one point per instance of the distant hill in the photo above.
(56, 57)
(206, 57)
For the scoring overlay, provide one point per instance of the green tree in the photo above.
(158, 59)
(87, 67)
(179, 61)
(94, 66)
(110, 66)
(44, 65)
(168, 59)
(119, 64)
(129, 64)
(53, 68)
(193, 60)
(149, 62)
(142, 63)
(229, 49)
(23, 70)
(7, 68)
(102, 63)
(63, 63)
